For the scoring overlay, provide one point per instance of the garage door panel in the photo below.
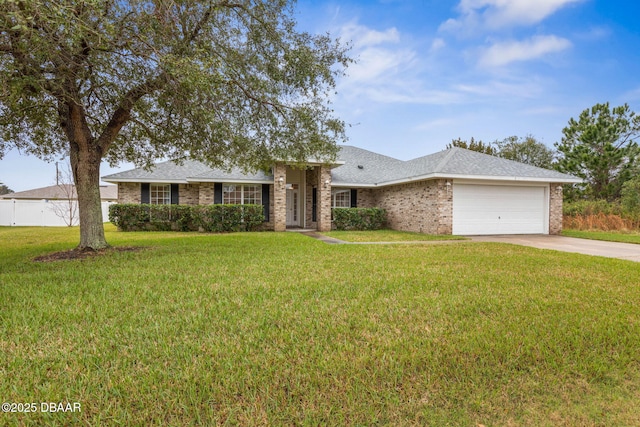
(495, 209)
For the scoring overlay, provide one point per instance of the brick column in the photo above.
(445, 206)
(324, 199)
(279, 197)
(555, 208)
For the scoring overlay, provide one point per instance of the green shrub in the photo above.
(630, 199)
(359, 218)
(227, 218)
(212, 218)
(591, 207)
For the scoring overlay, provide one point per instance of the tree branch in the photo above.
(122, 114)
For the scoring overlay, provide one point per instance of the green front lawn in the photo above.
(387, 236)
(281, 329)
(610, 236)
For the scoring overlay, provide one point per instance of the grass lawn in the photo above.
(386, 236)
(610, 236)
(282, 329)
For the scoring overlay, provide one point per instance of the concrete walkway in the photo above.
(626, 251)
(322, 237)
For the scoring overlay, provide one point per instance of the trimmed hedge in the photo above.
(359, 218)
(211, 218)
(225, 218)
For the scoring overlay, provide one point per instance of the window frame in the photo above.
(343, 200)
(249, 194)
(155, 192)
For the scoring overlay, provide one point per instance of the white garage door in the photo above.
(499, 209)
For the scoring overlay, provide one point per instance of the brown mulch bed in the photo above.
(84, 253)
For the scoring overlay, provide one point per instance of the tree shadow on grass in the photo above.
(75, 254)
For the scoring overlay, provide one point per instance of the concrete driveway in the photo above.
(626, 251)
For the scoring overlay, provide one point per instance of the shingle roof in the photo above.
(62, 191)
(166, 171)
(189, 170)
(452, 163)
(359, 167)
(364, 167)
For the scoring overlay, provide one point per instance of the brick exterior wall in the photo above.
(555, 208)
(445, 206)
(205, 193)
(422, 207)
(311, 179)
(279, 198)
(129, 192)
(367, 198)
(189, 194)
(324, 199)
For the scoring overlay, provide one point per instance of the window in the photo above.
(340, 198)
(160, 194)
(242, 194)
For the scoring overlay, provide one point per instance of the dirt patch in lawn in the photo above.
(85, 253)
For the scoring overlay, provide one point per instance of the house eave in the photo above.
(230, 181)
(314, 162)
(149, 180)
(479, 178)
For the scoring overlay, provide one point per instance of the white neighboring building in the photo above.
(53, 206)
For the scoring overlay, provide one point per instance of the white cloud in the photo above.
(362, 36)
(496, 89)
(437, 44)
(503, 53)
(374, 63)
(376, 52)
(495, 14)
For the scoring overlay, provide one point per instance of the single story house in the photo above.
(455, 191)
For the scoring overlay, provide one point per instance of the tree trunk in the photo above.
(85, 163)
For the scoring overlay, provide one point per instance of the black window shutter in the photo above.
(265, 201)
(314, 204)
(354, 198)
(217, 193)
(144, 193)
(175, 194)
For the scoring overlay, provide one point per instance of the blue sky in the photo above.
(431, 71)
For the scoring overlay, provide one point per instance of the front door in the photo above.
(293, 214)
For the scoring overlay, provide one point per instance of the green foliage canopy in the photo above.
(600, 147)
(526, 150)
(215, 80)
(630, 197)
(4, 189)
(473, 145)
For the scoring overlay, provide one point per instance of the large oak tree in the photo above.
(224, 81)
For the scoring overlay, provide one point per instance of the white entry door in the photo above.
(293, 210)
